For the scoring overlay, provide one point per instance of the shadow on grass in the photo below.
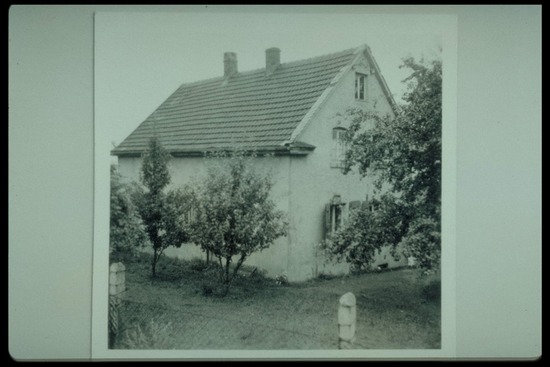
(198, 278)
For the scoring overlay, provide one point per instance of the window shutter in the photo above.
(345, 213)
(328, 221)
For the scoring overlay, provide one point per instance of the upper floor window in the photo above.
(360, 86)
(339, 146)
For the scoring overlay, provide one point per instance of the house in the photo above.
(290, 110)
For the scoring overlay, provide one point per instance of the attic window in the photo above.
(360, 86)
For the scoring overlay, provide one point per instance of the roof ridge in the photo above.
(221, 78)
(291, 63)
(314, 58)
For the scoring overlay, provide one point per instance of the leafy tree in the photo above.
(234, 216)
(403, 156)
(161, 211)
(126, 233)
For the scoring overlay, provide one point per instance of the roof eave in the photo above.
(382, 81)
(299, 149)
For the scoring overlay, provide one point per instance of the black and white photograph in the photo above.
(275, 181)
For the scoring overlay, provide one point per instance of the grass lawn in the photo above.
(183, 309)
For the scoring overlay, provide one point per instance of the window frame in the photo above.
(333, 222)
(339, 146)
(361, 86)
(336, 215)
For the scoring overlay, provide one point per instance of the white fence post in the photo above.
(117, 279)
(117, 285)
(347, 315)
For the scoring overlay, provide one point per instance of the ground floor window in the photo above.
(337, 212)
(336, 217)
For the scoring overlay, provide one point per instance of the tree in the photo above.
(234, 216)
(403, 156)
(161, 211)
(126, 232)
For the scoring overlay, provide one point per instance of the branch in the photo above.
(160, 252)
(239, 263)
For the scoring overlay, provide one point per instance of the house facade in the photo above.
(294, 112)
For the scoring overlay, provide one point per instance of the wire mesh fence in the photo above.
(152, 326)
(384, 318)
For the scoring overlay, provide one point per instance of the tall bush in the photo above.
(235, 216)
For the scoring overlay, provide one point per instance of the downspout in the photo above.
(290, 222)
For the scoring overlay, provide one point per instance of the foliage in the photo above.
(402, 154)
(365, 232)
(126, 232)
(161, 211)
(234, 215)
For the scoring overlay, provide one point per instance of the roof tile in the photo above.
(251, 108)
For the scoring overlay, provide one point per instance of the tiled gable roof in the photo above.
(250, 110)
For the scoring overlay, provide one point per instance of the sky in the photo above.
(141, 58)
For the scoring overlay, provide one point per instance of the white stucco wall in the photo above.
(314, 182)
(274, 260)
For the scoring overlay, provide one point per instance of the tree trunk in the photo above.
(156, 256)
(221, 269)
(154, 264)
(239, 263)
(227, 264)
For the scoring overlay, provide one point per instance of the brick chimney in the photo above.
(272, 60)
(229, 64)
